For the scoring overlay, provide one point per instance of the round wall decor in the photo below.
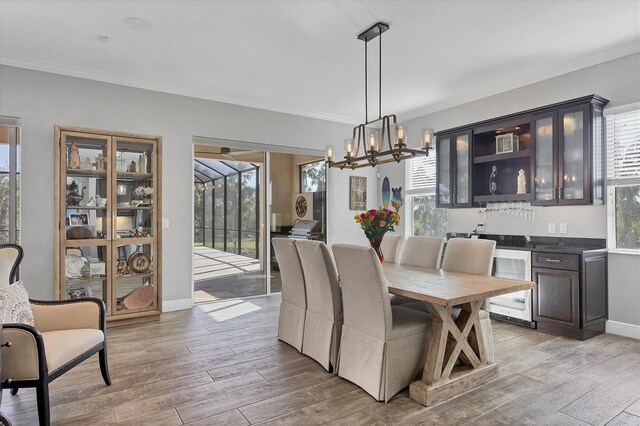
(301, 206)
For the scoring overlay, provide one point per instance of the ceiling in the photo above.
(302, 57)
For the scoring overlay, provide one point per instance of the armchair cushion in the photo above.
(64, 346)
(15, 306)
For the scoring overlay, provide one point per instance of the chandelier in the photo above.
(372, 136)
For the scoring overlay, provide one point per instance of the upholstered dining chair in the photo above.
(424, 252)
(391, 247)
(293, 307)
(382, 346)
(473, 257)
(66, 333)
(323, 322)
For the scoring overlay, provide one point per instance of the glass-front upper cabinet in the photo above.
(573, 148)
(453, 163)
(443, 163)
(565, 153)
(544, 183)
(85, 176)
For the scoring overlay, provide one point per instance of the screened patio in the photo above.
(226, 229)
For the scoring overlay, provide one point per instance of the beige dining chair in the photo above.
(294, 300)
(424, 252)
(323, 322)
(391, 247)
(473, 257)
(382, 346)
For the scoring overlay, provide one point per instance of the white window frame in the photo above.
(612, 184)
(411, 193)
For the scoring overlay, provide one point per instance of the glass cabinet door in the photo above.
(85, 176)
(135, 284)
(443, 162)
(134, 191)
(85, 272)
(571, 174)
(544, 176)
(463, 170)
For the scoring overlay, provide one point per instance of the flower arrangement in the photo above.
(376, 223)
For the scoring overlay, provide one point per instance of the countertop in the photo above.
(541, 244)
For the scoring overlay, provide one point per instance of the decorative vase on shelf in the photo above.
(493, 186)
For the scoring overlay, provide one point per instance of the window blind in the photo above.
(623, 147)
(420, 174)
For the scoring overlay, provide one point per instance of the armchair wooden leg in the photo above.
(14, 390)
(104, 366)
(42, 395)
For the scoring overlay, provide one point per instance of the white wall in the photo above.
(616, 80)
(43, 99)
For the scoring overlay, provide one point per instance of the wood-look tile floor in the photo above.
(221, 364)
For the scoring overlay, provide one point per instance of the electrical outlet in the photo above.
(480, 227)
(165, 222)
(552, 228)
(563, 228)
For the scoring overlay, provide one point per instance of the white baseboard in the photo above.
(623, 329)
(176, 305)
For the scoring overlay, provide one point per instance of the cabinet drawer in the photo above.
(569, 262)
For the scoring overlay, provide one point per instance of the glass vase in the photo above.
(376, 245)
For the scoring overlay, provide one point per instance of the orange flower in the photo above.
(382, 223)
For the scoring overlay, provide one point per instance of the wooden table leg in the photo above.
(449, 341)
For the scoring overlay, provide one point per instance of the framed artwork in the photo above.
(76, 219)
(357, 193)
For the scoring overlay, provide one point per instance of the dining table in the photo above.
(455, 353)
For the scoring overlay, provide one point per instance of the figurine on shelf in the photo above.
(74, 196)
(87, 164)
(132, 167)
(123, 269)
(522, 182)
(74, 157)
(142, 163)
(100, 163)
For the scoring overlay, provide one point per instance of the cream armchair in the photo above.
(66, 333)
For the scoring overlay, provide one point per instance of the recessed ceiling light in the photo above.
(138, 24)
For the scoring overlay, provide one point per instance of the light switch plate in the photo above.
(480, 227)
(552, 228)
(165, 222)
(563, 228)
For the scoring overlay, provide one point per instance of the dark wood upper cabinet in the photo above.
(454, 169)
(560, 149)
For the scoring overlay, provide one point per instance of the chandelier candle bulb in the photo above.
(427, 137)
(401, 130)
(329, 153)
(348, 148)
(373, 140)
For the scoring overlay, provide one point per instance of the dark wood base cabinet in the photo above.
(570, 298)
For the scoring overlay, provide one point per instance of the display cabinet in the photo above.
(454, 162)
(108, 221)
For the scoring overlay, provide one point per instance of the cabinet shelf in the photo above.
(134, 176)
(501, 198)
(500, 157)
(86, 207)
(87, 173)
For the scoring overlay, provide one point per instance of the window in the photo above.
(312, 176)
(423, 218)
(9, 183)
(623, 178)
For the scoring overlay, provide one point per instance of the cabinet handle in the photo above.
(552, 260)
(553, 194)
(7, 345)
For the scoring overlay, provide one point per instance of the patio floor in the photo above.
(221, 275)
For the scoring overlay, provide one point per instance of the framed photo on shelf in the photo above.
(76, 219)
